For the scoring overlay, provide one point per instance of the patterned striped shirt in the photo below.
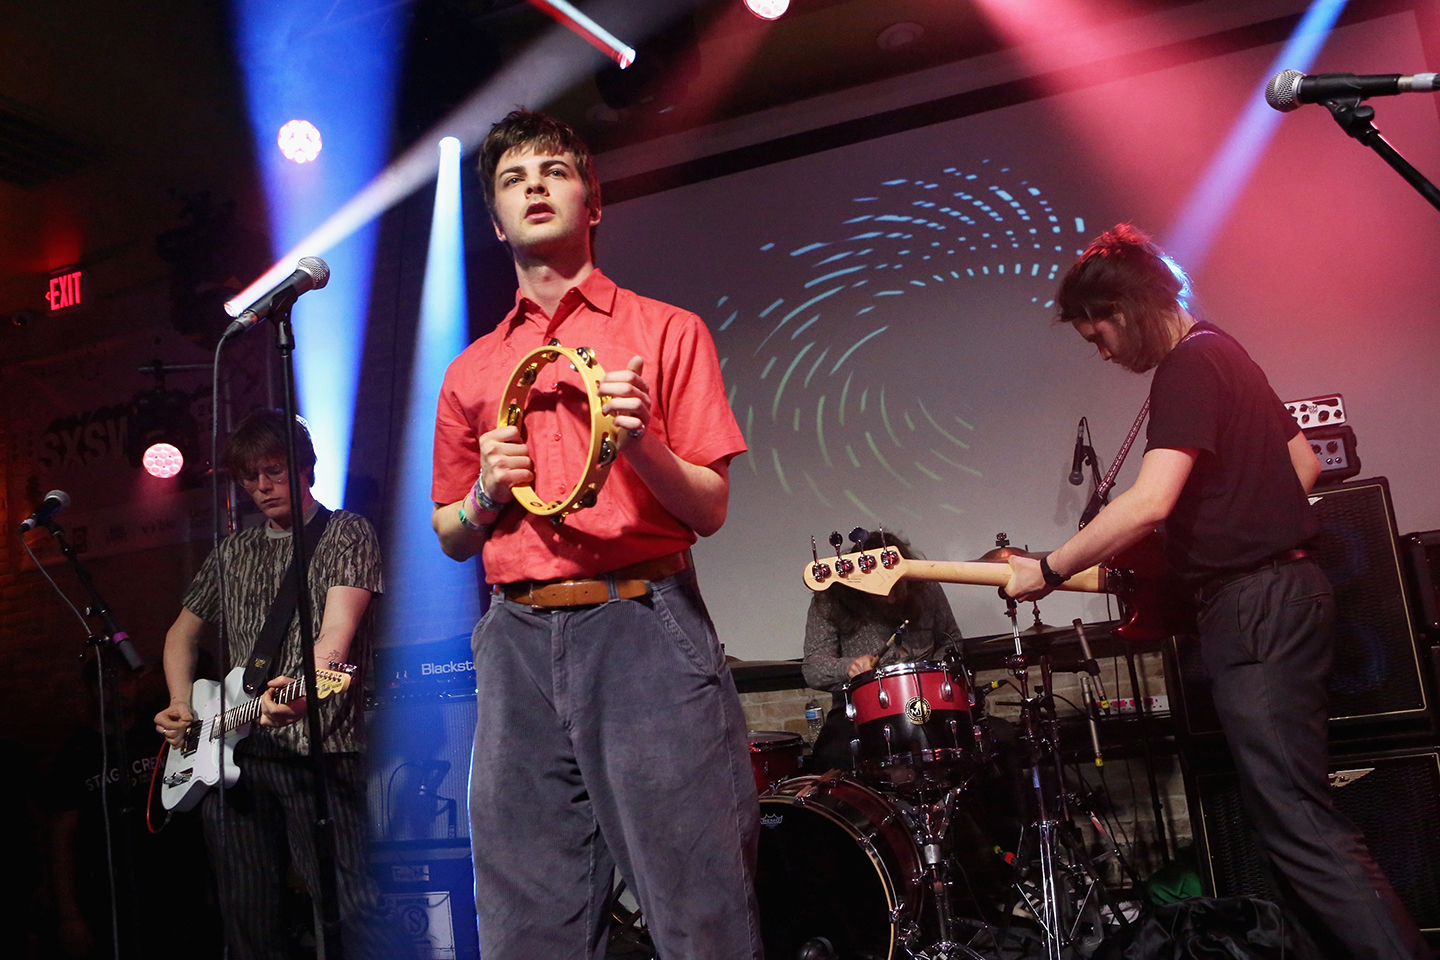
(256, 560)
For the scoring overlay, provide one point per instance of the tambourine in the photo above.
(605, 436)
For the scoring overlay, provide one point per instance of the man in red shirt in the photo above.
(609, 730)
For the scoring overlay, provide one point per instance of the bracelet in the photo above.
(1052, 579)
(483, 499)
(469, 524)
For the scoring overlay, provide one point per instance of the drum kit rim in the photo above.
(914, 765)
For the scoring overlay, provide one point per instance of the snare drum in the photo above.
(836, 861)
(913, 724)
(774, 756)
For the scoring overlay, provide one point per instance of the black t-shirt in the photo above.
(1242, 501)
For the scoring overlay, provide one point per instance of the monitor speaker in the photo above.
(419, 761)
(1394, 798)
(1377, 678)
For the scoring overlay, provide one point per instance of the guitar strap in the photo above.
(261, 662)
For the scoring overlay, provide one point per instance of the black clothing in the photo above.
(1267, 637)
(267, 827)
(1243, 501)
(1267, 641)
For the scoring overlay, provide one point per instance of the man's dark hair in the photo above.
(261, 436)
(1123, 273)
(540, 133)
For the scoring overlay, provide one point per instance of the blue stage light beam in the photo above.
(1194, 230)
(424, 587)
(335, 66)
(548, 67)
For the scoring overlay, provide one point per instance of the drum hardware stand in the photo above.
(1057, 910)
(929, 827)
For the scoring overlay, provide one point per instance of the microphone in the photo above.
(311, 273)
(54, 502)
(1078, 460)
(1100, 698)
(1290, 88)
(1088, 698)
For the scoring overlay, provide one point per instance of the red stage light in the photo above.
(163, 460)
(299, 141)
(767, 9)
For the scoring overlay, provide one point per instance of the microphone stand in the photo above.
(1354, 118)
(110, 641)
(323, 827)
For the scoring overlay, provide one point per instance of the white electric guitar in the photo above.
(194, 768)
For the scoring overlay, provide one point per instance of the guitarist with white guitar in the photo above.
(1227, 471)
(268, 811)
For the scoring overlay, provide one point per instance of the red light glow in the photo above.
(163, 460)
(299, 141)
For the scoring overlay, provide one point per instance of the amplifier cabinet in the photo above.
(419, 763)
(1393, 797)
(1377, 678)
(430, 887)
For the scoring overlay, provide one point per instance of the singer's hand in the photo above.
(860, 664)
(504, 463)
(627, 397)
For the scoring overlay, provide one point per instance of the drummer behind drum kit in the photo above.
(869, 867)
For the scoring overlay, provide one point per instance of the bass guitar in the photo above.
(1154, 604)
(194, 768)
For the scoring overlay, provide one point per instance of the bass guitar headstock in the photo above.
(874, 571)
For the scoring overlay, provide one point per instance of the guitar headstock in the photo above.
(869, 571)
(334, 680)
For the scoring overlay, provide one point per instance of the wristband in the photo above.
(483, 499)
(469, 524)
(1052, 579)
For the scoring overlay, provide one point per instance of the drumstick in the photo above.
(891, 642)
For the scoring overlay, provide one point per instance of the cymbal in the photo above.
(1001, 554)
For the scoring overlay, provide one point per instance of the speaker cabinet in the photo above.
(1394, 798)
(1423, 551)
(431, 888)
(1377, 679)
(420, 768)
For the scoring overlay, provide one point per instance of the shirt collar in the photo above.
(596, 290)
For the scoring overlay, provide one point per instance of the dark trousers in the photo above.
(609, 735)
(267, 827)
(1267, 641)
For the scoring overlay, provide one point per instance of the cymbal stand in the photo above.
(1060, 909)
(929, 823)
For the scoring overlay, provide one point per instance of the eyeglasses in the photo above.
(276, 473)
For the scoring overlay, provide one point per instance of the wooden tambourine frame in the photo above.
(605, 437)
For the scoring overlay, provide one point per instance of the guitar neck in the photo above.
(250, 711)
(985, 574)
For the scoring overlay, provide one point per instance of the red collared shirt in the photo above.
(689, 414)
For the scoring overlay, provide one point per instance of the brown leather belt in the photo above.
(629, 582)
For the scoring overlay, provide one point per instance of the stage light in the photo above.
(417, 571)
(163, 460)
(161, 434)
(767, 9)
(1204, 215)
(299, 141)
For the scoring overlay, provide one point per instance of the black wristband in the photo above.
(1052, 579)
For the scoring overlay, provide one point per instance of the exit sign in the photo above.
(65, 290)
